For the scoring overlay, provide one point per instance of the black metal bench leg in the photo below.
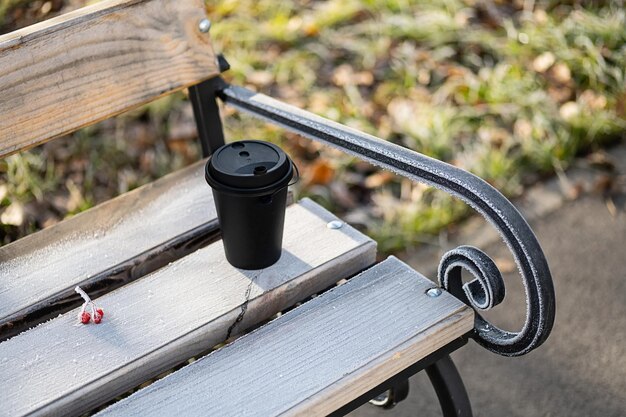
(449, 387)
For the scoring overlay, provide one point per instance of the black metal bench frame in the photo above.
(484, 292)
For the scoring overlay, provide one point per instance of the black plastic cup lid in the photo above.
(248, 164)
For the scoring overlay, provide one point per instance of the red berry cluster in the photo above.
(85, 317)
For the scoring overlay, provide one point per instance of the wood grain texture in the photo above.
(317, 357)
(104, 247)
(62, 367)
(83, 67)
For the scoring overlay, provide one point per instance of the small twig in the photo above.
(83, 294)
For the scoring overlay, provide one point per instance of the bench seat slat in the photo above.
(88, 65)
(170, 315)
(317, 357)
(104, 247)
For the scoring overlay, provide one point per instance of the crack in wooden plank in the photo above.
(244, 308)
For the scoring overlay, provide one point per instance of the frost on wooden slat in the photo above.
(316, 358)
(42, 269)
(170, 315)
(75, 70)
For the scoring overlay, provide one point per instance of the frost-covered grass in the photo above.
(504, 91)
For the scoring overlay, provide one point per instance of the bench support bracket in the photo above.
(207, 114)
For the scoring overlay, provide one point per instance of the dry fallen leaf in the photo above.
(183, 147)
(294, 24)
(493, 135)
(46, 8)
(320, 172)
(343, 75)
(569, 110)
(378, 179)
(364, 78)
(260, 78)
(523, 128)
(561, 93)
(540, 16)
(310, 29)
(561, 73)
(13, 215)
(601, 159)
(543, 62)
(591, 99)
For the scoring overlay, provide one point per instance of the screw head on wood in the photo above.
(434, 292)
(204, 26)
(335, 224)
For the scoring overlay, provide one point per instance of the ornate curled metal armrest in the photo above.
(487, 288)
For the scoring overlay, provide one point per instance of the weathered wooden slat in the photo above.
(83, 67)
(317, 357)
(104, 248)
(62, 367)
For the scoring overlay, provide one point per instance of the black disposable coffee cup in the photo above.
(249, 180)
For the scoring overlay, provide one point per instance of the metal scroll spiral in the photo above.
(487, 288)
(483, 293)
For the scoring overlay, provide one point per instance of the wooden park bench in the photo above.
(153, 259)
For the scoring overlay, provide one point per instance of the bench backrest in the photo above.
(86, 66)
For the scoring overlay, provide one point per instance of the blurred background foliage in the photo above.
(511, 91)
